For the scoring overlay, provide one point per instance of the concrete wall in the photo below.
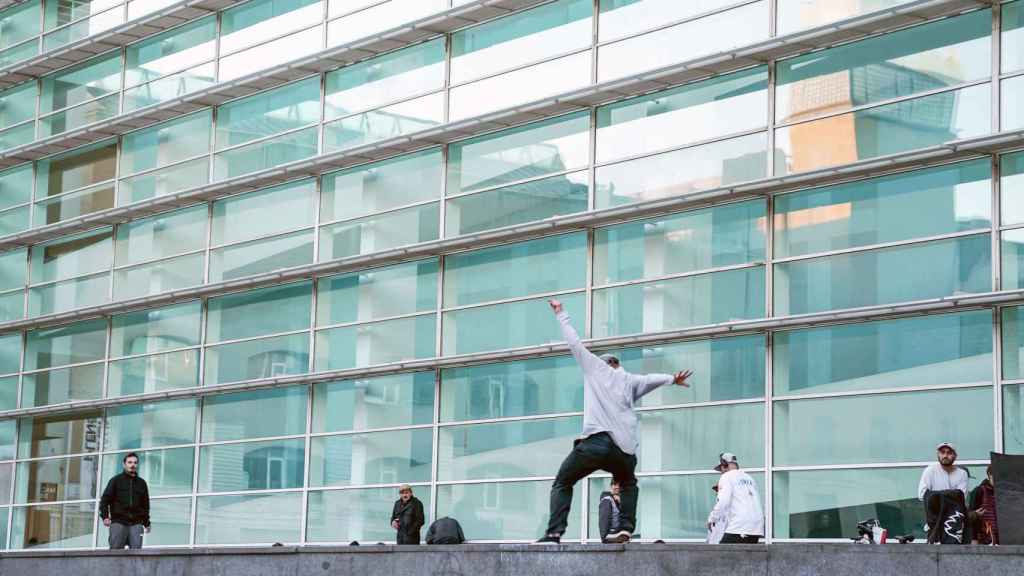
(523, 560)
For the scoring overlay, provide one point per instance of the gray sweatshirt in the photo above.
(609, 394)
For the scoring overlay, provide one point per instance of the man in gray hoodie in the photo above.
(609, 439)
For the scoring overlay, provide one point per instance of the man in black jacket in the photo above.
(407, 516)
(445, 531)
(124, 506)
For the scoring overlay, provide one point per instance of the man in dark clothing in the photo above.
(983, 507)
(407, 516)
(445, 531)
(609, 515)
(124, 506)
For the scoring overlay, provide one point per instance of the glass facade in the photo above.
(392, 361)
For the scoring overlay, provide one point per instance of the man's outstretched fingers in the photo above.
(555, 305)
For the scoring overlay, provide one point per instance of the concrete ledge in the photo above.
(786, 559)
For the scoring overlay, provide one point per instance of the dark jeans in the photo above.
(123, 534)
(593, 453)
(407, 537)
(728, 538)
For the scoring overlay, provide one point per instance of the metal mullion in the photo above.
(996, 66)
(99, 456)
(435, 437)
(885, 245)
(6, 543)
(304, 516)
(679, 275)
(677, 22)
(685, 146)
(768, 498)
(997, 388)
(997, 271)
(65, 366)
(538, 296)
(200, 406)
(55, 503)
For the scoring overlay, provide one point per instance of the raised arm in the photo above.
(586, 359)
(643, 384)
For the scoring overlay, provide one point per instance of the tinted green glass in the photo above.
(7, 431)
(153, 373)
(8, 394)
(268, 113)
(10, 353)
(21, 22)
(19, 103)
(56, 479)
(265, 154)
(937, 350)
(16, 186)
(136, 426)
(6, 476)
(723, 369)
(1013, 419)
(374, 458)
(249, 519)
(53, 526)
(72, 256)
(170, 51)
(385, 123)
(259, 256)
(155, 330)
(166, 143)
(536, 149)
(262, 19)
(516, 204)
(555, 263)
(170, 87)
(96, 77)
(923, 203)
(380, 233)
(511, 325)
(927, 57)
(381, 342)
(738, 428)
(1013, 343)
(377, 293)
(73, 204)
(69, 295)
(347, 515)
(58, 434)
(1012, 41)
(1011, 188)
(1012, 112)
(710, 238)
(171, 522)
(525, 388)
(898, 274)
(690, 114)
(244, 415)
(255, 359)
(13, 269)
(381, 186)
(259, 312)
(87, 113)
(504, 510)
(161, 236)
(264, 212)
(161, 276)
(166, 471)
(799, 14)
(164, 181)
(515, 449)
(626, 17)
(21, 134)
(73, 343)
(679, 303)
(381, 402)
(62, 385)
(271, 465)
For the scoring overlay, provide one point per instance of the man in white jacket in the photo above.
(738, 507)
(609, 439)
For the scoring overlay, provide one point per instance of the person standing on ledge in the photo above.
(407, 516)
(609, 439)
(737, 512)
(124, 506)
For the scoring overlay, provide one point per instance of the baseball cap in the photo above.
(724, 459)
(946, 445)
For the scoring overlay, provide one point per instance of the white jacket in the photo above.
(935, 477)
(738, 505)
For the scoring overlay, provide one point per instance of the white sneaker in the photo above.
(620, 537)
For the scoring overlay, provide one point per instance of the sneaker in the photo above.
(550, 539)
(620, 537)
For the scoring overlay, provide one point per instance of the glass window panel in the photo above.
(796, 15)
(155, 330)
(524, 388)
(56, 479)
(259, 312)
(265, 154)
(137, 426)
(74, 204)
(384, 79)
(687, 41)
(160, 236)
(16, 186)
(243, 415)
(62, 385)
(528, 151)
(175, 178)
(8, 395)
(528, 36)
(80, 115)
(937, 350)
(6, 476)
(96, 77)
(1013, 343)
(902, 273)
(708, 429)
(381, 342)
(22, 134)
(505, 510)
(887, 129)
(74, 170)
(1012, 41)
(162, 276)
(153, 373)
(381, 17)
(166, 471)
(268, 113)
(83, 28)
(69, 344)
(710, 238)
(374, 458)
(368, 403)
(679, 302)
(832, 430)
(1013, 419)
(1012, 115)
(7, 432)
(12, 306)
(255, 359)
(555, 263)
(381, 186)
(1012, 248)
(379, 233)
(919, 59)
(258, 256)
(170, 87)
(53, 526)
(171, 51)
(166, 143)
(388, 122)
(249, 518)
(17, 104)
(14, 220)
(1011, 189)
(21, 22)
(59, 434)
(685, 115)
(69, 295)
(270, 53)
(18, 53)
(885, 209)
(511, 325)
(171, 522)
(61, 12)
(254, 22)
(377, 293)
(10, 353)
(347, 515)
(516, 204)
(515, 449)
(627, 17)
(271, 465)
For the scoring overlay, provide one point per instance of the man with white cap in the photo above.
(738, 506)
(944, 474)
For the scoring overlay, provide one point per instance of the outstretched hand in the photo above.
(680, 378)
(556, 306)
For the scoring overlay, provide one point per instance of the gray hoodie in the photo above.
(609, 394)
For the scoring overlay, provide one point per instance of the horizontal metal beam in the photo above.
(734, 328)
(127, 33)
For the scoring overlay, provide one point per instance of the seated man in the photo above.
(609, 514)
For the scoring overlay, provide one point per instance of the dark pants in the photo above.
(408, 537)
(728, 538)
(122, 535)
(593, 453)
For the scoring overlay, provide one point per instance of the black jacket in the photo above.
(126, 500)
(608, 516)
(409, 515)
(445, 531)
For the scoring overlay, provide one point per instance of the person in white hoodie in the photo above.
(738, 507)
(609, 439)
